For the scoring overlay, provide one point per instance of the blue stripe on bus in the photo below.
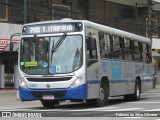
(94, 82)
(25, 94)
(111, 81)
(79, 92)
(117, 81)
(121, 81)
(147, 80)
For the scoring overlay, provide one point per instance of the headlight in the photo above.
(22, 83)
(77, 82)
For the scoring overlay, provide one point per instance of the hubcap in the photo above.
(102, 94)
(138, 91)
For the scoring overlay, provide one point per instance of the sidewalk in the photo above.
(157, 88)
(8, 90)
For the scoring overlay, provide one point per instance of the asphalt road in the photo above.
(147, 108)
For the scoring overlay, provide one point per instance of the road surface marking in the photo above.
(97, 109)
(17, 107)
(25, 109)
(145, 102)
(154, 110)
(127, 109)
(133, 117)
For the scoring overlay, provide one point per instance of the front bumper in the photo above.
(79, 92)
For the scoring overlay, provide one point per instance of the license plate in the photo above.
(48, 97)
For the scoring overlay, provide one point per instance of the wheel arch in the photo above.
(105, 80)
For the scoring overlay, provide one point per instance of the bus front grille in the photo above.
(49, 79)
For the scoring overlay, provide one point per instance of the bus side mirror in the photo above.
(11, 43)
(91, 43)
(11, 46)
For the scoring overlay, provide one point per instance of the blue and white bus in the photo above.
(79, 60)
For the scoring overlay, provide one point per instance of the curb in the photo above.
(8, 89)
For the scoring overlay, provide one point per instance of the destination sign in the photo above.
(52, 28)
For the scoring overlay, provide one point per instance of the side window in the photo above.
(91, 48)
(117, 47)
(105, 45)
(146, 53)
(149, 57)
(137, 51)
(127, 49)
(144, 47)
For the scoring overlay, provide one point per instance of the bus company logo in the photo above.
(48, 85)
(6, 114)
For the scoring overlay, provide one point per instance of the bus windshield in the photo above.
(51, 55)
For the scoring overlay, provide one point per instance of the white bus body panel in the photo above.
(93, 73)
(121, 74)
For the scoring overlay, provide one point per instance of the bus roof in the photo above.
(99, 27)
(118, 32)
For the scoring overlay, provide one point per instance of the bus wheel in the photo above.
(49, 103)
(137, 93)
(103, 96)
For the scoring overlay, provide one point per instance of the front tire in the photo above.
(103, 96)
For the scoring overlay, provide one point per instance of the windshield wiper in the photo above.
(56, 46)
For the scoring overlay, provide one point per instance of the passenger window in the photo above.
(117, 47)
(128, 49)
(105, 45)
(137, 51)
(91, 51)
(146, 53)
(91, 48)
(149, 58)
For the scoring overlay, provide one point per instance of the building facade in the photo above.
(127, 15)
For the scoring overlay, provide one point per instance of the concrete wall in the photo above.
(125, 2)
(97, 11)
